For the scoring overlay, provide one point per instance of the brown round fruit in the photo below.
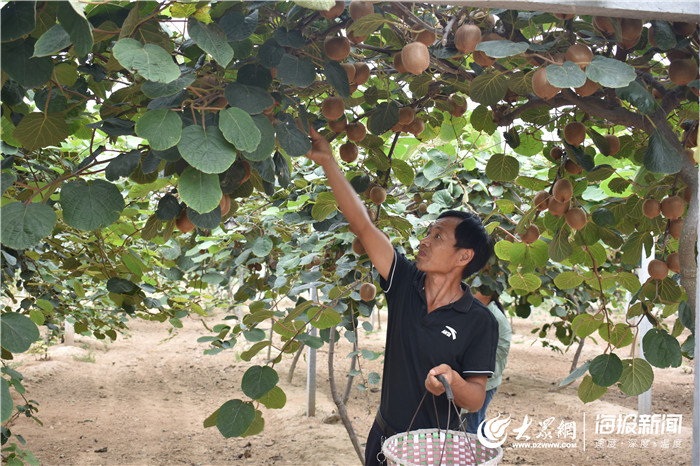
(377, 195)
(350, 70)
(357, 247)
(684, 29)
(531, 234)
(417, 197)
(556, 152)
(563, 16)
(481, 59)
(675, 227)
(368, 291)
(335, 11)
(406, 115)
(337, 48)
(416, 126)
(422, 207)
(361, 73)
(575, 133)
(458, 106)
(681, 72)
(541, 200)
(580, 54)
(348, 152)
(358, 9)
(628, 44)
(398, 64)
(467, 37)
(613, 144)
(603, 25)
(589, 88)
(673, 261)
(651, 208)
(541, 85)
(575, 218)
(650, 36)
(672, 207)
(572, 167)
(415, 57)
(426, 37)
(225, 204)
(183, 223)
(658, 270)
(333, 108)
(338, 126)
(356, 131)
(562, 191)
(631, 28)
(556, 208)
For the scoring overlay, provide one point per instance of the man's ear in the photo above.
(466, 256)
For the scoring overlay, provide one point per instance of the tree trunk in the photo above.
(351, 377)
(574, 363)
(342, 412)
(293, 366)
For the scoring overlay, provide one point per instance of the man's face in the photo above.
(437, 251)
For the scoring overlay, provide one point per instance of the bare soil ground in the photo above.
(141, 400)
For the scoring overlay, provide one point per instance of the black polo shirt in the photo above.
(463, 334)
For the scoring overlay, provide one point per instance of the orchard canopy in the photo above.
(153, 167)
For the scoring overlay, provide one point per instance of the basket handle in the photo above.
(448, 389)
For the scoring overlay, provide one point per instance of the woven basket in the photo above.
(425, 447)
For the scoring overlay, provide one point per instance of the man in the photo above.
(435, 326)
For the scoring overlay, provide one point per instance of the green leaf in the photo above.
(589, 391)
(568, 280)
(685, 315)
(502, 48)
(23, 226)
(560, 249)
(17, 332)
(530, 144)
(337, 77)
(18, 63)
(620, 336)
(289, 38)
(274, 399)
(663, 35)
(605, 369)
(636, 94)
(501, 167)
(568, 74)
(262, 247)
(123, 165)
(239, 129)
(481, 119)
(296, 71)
(51, 42)
(72, 18)
(201, 191)
(252, 99)
(121, 286)
(326, 319)
(5, 399)
(267, 140)
(502, 249)
(661, 349)
(575, 374)
(91, 206)
(162, 128)
(366, 25)
(154, 89)
(528, 282)
(661, 156)
(151, 61)
(489, 88)
(207, 151)
(383, 118)
(585, 324)
(629, 281)
(324, 206)
(237, 26)
(403, 172)
(234, 418)
(16, 20)
(258, 380)
(6, 180)
(637, 376)
(294, 142)
(38, 130)
(256, 426)
(212, 39)
(609, 72)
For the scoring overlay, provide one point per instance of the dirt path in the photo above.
(144, 398)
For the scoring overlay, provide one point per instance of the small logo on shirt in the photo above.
(449, 332)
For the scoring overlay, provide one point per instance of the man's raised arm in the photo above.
(378, 246)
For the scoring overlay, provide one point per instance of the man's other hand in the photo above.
(320, 148)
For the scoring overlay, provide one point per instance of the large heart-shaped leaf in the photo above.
(289, 38)
(52, 41)
(155, 89)
(589, 391)
(38, 130)
(294, 142)
(502, 48)
(208, 220)
(258, 380)
(636, 93)
(123, 165)
(212, 39)
(207, 151)
(72, 18)
(16, 20)
(91, 206)
(239, 129)
(17, 332)
(501, 167)
(23, 226)
(267, 140)
(605, 369)
(162, 128)
(661, 156)
(609, 72)
(383, 118)
(237, 26)
(661, 349)
(296, 71)
(568, 74)
(489, 88)
(252, 99)
(18, 63)
(637, 376)
(150, 61)
(234, 418)
(337, 77)
(201, 191)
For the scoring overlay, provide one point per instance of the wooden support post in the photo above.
(643, 400)
(311, 368)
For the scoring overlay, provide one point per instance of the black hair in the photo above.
(471, 234)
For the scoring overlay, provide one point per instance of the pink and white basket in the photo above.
(436, 446)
